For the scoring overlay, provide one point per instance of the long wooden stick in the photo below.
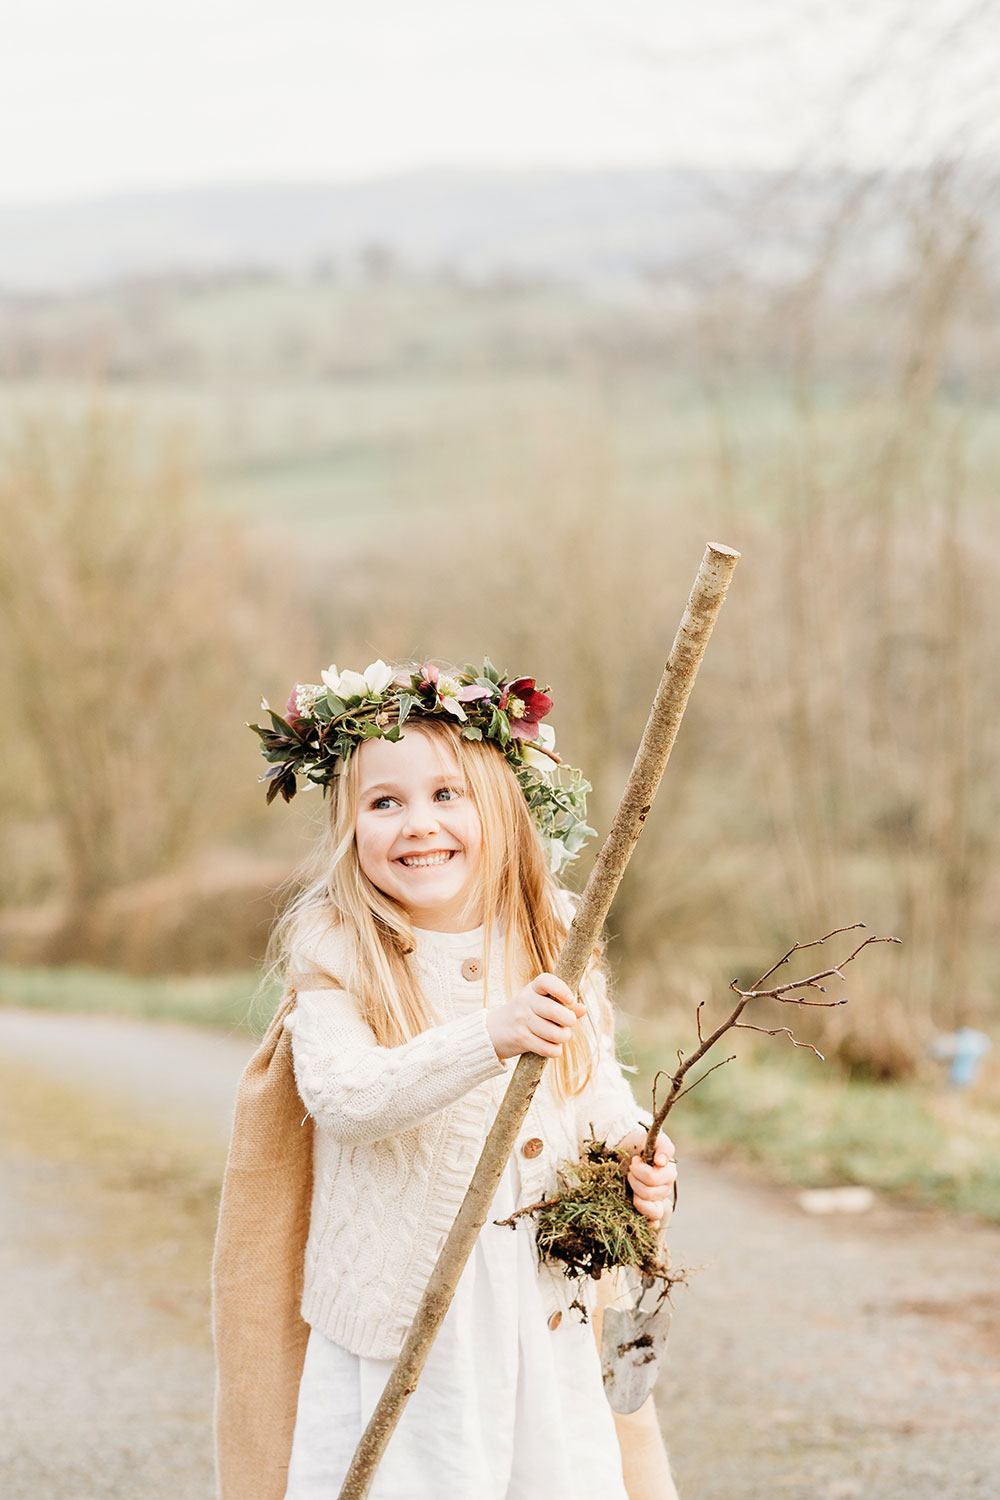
(702, 610)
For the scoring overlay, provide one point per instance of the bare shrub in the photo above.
(132, 630)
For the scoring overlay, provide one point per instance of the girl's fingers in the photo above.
(558, 1015)
(549, 1031)
(654, 1190)
(654, 1176)
(556, 989)
(648, 1209)
(664, 1148)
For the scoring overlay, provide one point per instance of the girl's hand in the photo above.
(651, 1185)
(538, 1019)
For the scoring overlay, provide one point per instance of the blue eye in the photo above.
(447, 793)
(381, 802)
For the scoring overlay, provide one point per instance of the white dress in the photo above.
(505, 1408)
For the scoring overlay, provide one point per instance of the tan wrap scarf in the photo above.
(260, 1246)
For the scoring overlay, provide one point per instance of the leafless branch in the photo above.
(704, 1075)
(780, 992)
(779, 1031)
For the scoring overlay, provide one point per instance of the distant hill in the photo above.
(588, 226)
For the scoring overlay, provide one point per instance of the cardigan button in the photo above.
(554, 1320)
(532, 1148)
(472, 968)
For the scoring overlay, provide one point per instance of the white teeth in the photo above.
(420, 861)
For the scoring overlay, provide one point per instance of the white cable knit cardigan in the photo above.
(397, 1132)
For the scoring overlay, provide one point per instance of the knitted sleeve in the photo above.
(359, 1092)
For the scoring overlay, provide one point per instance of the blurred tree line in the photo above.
(839, 756)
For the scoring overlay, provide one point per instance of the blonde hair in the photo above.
(515, 889)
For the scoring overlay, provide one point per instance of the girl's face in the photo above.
(418, 834)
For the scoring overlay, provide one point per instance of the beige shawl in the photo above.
(260, 1246)
(260, 1336)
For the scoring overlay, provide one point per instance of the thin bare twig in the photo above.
(780, 992)
(779, 1031)
(704, 1075)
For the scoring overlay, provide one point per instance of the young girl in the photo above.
(421, 959)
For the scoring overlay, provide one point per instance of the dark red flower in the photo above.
(524, 705)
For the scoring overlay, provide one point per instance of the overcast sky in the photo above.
(100, 96)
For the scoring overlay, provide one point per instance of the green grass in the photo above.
(227, 1000)
(802, 1123)
(788, 1115)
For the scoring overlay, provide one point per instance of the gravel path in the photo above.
(810, 1358)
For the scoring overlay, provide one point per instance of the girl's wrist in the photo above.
(491, 1026)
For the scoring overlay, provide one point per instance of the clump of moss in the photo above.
(592, 1226)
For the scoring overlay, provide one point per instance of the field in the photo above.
(243, 478)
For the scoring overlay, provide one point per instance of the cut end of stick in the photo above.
(725, 551)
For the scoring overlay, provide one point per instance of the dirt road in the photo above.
(809, 1358)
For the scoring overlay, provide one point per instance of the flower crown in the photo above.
(323, 724)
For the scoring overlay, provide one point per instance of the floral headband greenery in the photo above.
(324, 723)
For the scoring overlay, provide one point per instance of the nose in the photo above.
(421, 820)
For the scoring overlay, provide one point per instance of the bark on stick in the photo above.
(672, 695)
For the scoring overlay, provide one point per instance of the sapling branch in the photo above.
(783, 993)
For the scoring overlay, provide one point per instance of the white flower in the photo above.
(448, 690)
(533, 757)
(377, 678)
(307, 695)
(370, 684)
(351, 685)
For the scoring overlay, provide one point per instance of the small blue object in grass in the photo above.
(963, 1050)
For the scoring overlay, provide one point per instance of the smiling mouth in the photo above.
(427, 861)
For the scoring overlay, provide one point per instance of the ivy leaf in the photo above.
(471, 732)
(406, 702)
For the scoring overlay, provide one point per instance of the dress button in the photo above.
(554, 1320)
(532, 1148)
(471, 968)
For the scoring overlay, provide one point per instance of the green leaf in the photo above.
(282, 726)
(471, 732)
(406, 702)
(490, 671)
(393, 734)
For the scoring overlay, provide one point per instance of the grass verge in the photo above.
(214, 1000)
(805, 1124)
(796, 1119)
